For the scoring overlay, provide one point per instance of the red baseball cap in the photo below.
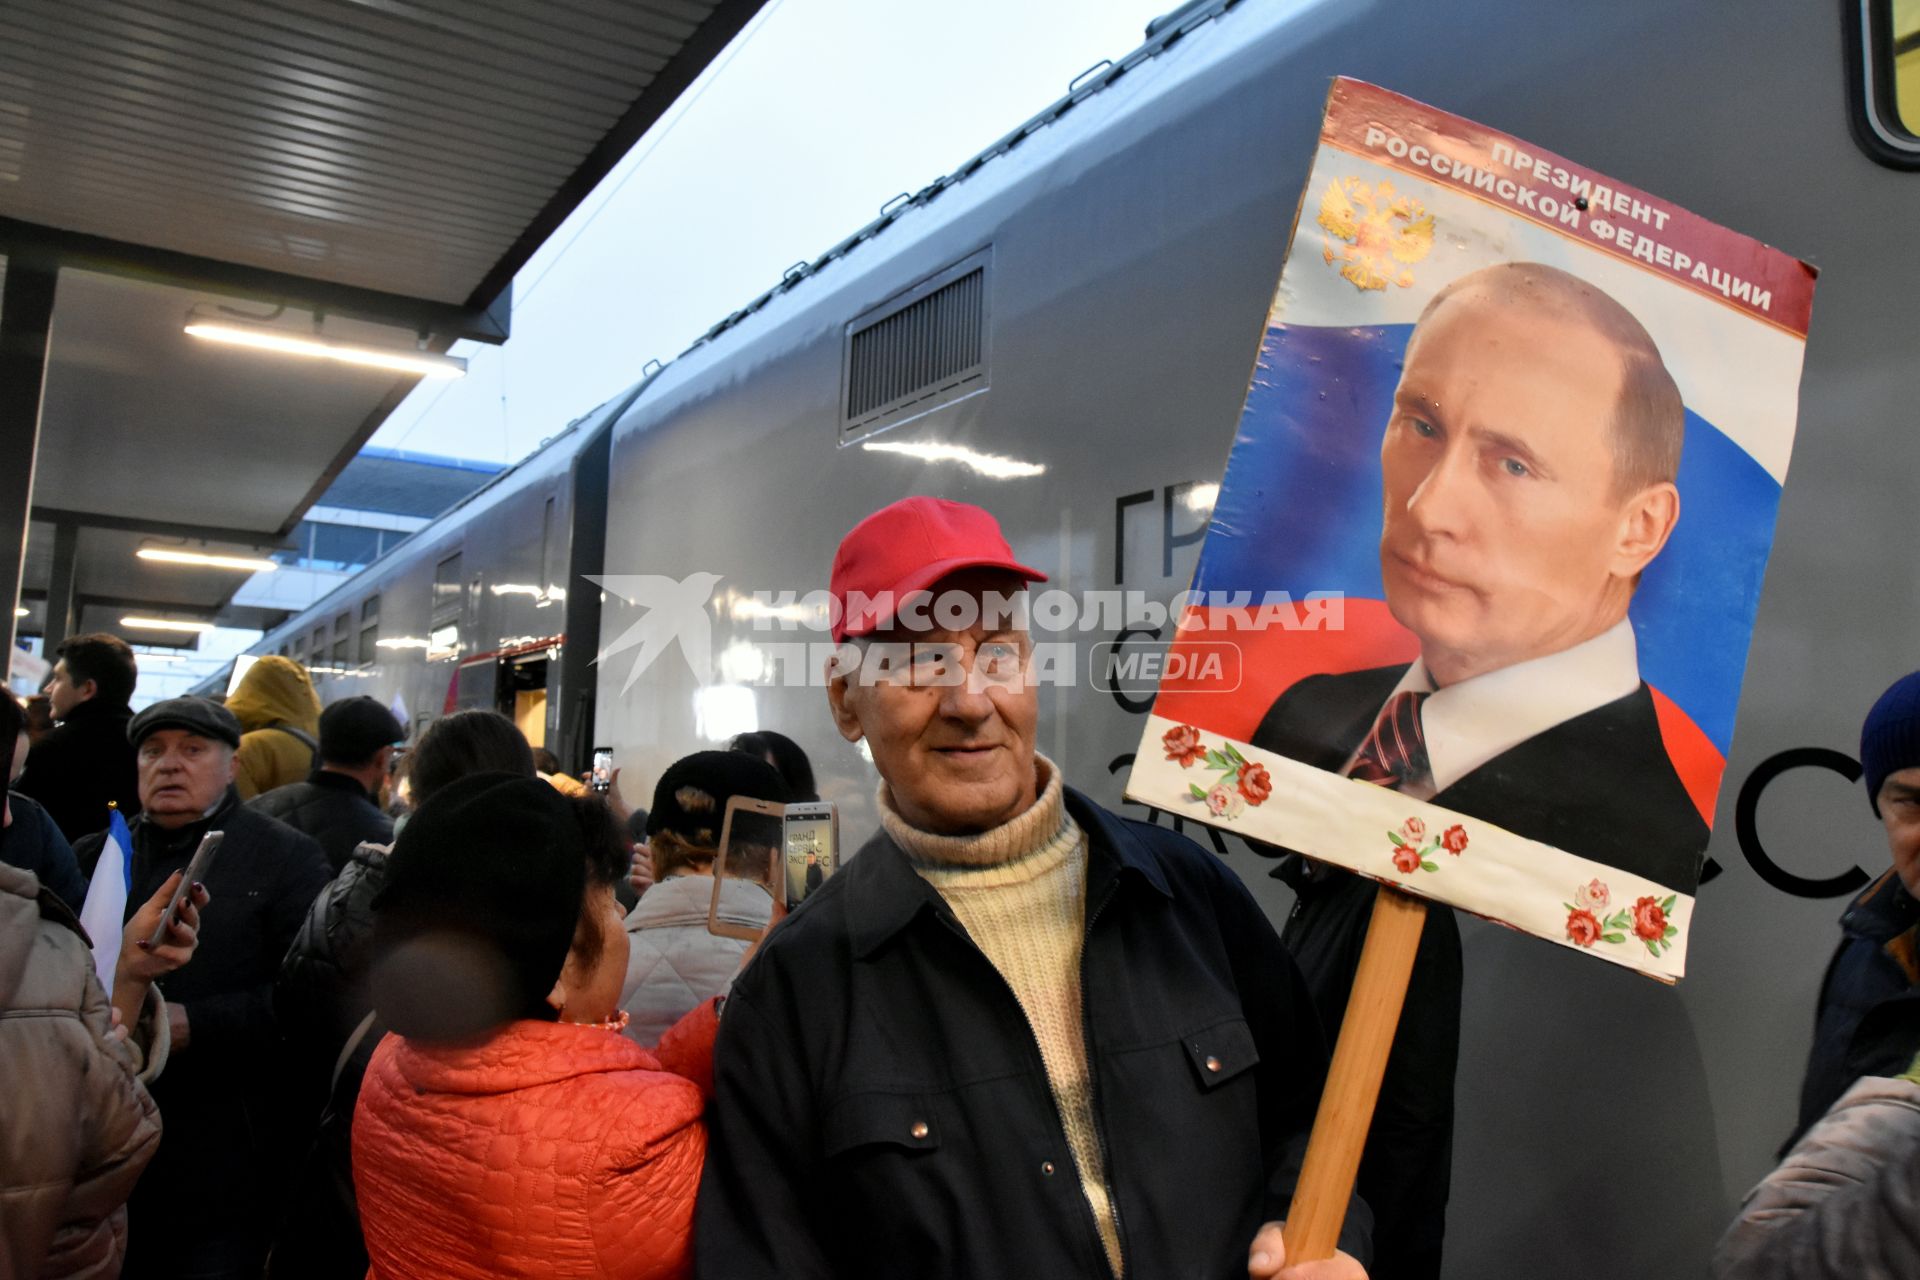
(907, 547)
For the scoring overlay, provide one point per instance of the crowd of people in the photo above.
(469, 1017)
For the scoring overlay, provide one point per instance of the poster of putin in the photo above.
(1485, 560)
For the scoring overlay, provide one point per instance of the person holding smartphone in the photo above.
(207, 1205)
(674, 962)
(1017, 1035)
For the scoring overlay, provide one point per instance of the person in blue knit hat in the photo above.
(1868, 1023)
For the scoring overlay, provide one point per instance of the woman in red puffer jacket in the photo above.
(507, 1127)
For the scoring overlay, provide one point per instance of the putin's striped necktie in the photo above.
(1395, 753)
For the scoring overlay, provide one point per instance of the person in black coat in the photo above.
(1868, 1019)
(338, 805)
(86, 762)
(207, 1202)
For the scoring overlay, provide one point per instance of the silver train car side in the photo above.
(474, 610)
(1097, 283)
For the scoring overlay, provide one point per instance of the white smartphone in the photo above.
(196, 874)
(601, 779)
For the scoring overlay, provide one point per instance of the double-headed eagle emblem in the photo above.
(1373, 234)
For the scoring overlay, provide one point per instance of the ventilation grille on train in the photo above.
(920, 351)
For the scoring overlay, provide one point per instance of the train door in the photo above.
(521, 693)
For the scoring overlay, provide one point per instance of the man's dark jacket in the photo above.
(33, 843)
(881, 1108)
(332, 808)
(1599, 785)
(82, 764)
(209, 1197)
(1868, 1019)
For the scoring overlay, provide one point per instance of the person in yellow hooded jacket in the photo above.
(279, 716)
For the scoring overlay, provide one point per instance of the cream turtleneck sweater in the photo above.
(1020, 890)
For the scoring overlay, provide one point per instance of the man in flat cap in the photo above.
(206, 1205)
(1017, 1035)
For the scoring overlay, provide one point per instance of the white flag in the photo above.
(104, 913)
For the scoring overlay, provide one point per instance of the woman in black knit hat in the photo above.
(506, 1126)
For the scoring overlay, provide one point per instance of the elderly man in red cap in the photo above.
(1018, 1035)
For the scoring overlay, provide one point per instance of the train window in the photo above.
(918, 351)
(342, 641)
(317, 651)
(1883, 67)
(369, 630)
(448, 600)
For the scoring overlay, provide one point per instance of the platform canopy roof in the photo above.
(377, 170)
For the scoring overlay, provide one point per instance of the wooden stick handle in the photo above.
(1353, 1081)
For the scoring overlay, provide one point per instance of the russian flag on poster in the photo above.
(105, 910)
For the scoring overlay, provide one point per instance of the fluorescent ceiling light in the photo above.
(401, 642)
(251, 564)
(139, 623)
(424, 363)
(18, 612)
(993, 466)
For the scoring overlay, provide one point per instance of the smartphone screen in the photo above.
(601, 779)
(810, 837)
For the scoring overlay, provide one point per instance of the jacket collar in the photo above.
(1883, 910)
(144, 830)
(683, 900)
(98, 709)
(885, 894)
(521, 1055)
(330, 780)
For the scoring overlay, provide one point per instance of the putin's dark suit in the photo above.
(1599, 785)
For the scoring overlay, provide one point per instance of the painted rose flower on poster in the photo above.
(1242, 782)
(1647, 919)
(1183, 745)
(1413, 851)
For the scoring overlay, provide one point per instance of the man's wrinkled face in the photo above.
(949, 715)
(1900, 813)
(182, 775)
(62, 694)
(1503, 536)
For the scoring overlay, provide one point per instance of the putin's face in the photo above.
(1505, 537)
